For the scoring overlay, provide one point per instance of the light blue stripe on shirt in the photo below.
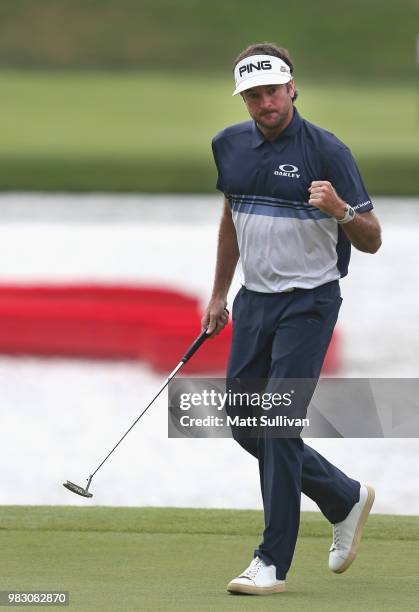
(275, 207)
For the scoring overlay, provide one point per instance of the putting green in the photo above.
(113, 559)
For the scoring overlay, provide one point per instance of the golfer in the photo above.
(294, 203)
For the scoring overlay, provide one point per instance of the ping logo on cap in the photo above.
(260, 70)
(263, 65)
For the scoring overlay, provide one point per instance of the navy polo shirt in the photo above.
(285, 242)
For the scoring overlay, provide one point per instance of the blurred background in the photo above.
(108, 230)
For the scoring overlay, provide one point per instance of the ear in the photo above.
(291, 87)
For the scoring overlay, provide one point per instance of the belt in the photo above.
(290, 290)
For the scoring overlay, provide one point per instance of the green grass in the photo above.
(359, 39)
(138, 132)
(170, 559)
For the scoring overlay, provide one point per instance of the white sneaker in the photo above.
(257, 579)
(347, 534)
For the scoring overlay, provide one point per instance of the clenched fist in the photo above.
(324, 197)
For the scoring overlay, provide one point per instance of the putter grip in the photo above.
(195, 346)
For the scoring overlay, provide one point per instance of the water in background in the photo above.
(59, 417)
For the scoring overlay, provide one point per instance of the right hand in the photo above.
(215, 317)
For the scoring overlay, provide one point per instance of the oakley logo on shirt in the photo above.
(287, 170)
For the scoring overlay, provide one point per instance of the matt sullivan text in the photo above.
(236, 421)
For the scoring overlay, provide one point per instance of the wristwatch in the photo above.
(349, 215)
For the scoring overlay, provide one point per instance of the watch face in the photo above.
(349, 215)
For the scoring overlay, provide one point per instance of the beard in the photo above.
(275, 122)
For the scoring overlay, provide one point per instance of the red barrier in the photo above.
(113, 322)
(104, 293)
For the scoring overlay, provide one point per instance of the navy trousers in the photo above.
(286, 335)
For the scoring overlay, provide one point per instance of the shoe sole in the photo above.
(358, 531)
(244, 589)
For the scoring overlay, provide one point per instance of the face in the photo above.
(270, 105)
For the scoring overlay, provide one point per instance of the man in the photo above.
(294, 202)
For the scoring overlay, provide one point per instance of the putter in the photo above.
(84, 492)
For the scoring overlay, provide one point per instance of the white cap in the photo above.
(260, 70)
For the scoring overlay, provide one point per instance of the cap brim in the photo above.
(262, 79)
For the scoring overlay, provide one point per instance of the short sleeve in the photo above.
(345, 177)
(219, 185)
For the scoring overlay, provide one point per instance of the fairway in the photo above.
(113, 559)
(151, 133)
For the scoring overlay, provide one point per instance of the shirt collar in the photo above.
(292, 128)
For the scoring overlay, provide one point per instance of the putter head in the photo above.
(77, 489)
